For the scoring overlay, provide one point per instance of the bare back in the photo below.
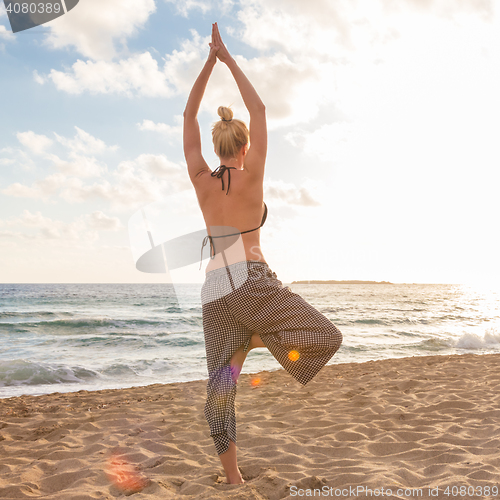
(242, 208)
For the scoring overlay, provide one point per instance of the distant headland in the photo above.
(348, 282)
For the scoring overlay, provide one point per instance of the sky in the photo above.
(384, 126)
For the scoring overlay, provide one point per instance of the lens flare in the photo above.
(293, 355)
(255, 381)
(124, 476)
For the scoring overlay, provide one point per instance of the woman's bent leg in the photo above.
(301, 338)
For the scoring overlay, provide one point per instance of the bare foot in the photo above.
(237, 480)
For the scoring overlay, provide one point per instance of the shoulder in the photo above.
(200, 179)
(254, 171)
(198, 170)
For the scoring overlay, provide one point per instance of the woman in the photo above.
(244, 304)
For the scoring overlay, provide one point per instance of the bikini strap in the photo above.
(264, 217)
(210, 238)
(219, 172)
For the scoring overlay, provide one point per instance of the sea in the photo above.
(69, 337)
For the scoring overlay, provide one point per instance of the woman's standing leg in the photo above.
(224, 337)
(220, 414)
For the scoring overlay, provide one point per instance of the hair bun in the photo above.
(226, 114)
(228, 134)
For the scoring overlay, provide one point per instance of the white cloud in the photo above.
(102, 222)
(79, 166)
(316, 44)
(42, 189)
(85, 143)
(38, 78)
(185, 6)
(321, 44)
(157, 165)
(444, 8)
(10, 235)
(330, 142)
(290, 91)
(147, 178)
(283, 193)
(295, 26)
(139, 74)
(270, 75)
(21, 158)
(35, 142)
(337, 29)
(95, 27)
(84, 227)
(4, 33)
(173, 133)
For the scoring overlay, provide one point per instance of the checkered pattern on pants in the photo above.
(258, 303)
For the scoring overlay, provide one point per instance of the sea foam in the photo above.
(473, 341)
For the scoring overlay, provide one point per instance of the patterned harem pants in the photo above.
(246, 298)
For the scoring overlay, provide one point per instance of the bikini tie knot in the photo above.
(219, 172)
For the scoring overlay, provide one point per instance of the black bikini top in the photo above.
(219, 172)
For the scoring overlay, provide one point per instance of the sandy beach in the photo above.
(412, 426)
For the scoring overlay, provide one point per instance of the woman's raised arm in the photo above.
(256, 156)
(191, 132)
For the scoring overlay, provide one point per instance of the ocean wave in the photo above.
(473, 341)
(401, 333)
(370, 321)
(34, 314)
(130, 340)
(433, 344)
(22, 372)
(138, 368)
(98, 323)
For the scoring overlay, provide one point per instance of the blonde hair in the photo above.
(228, 135)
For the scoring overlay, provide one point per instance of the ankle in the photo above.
(235, 479)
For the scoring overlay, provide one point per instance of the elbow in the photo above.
(259, 108)
(189, 115)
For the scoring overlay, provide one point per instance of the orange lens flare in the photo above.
(255, 382)
(124, 476)
(293, 355)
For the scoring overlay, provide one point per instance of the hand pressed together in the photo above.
(217, 47)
